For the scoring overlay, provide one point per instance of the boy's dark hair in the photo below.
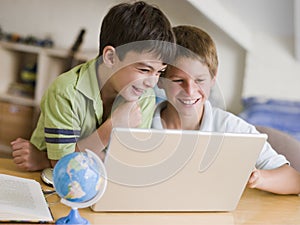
(193, 42)
(139, 23)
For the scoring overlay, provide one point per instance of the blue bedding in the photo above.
(280, 114)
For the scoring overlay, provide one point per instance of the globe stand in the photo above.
(74, 216)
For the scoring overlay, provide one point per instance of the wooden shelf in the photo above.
(50, 63)
(20, 100)
(20, 47)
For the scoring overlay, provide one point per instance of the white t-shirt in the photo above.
(218, 120)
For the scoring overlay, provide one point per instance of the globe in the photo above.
(79, 178)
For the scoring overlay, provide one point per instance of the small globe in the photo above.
(79, 177)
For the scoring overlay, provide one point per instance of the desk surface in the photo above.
(255, 207)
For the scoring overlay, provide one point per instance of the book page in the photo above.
(22, 199)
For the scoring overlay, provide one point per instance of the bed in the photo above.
(283, 115)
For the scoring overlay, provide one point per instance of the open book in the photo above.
(22, 200)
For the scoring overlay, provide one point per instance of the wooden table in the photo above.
(255, 207)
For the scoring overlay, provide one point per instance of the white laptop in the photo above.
(177, 171)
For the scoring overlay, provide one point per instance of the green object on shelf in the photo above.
(28, 74)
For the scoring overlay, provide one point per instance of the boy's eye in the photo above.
(177, 80)
(144, 70)
(199, 81)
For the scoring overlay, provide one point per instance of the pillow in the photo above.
(283, 115)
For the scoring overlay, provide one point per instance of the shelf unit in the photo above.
(15, 108)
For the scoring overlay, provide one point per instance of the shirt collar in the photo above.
(87, 81)
(88, 84)
(207, 119)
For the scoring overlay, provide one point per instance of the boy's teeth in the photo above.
(188, 102)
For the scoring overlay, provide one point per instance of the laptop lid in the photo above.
(176, 170)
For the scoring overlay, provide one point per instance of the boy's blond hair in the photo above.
(194, 42)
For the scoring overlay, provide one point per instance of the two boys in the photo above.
(81, 107)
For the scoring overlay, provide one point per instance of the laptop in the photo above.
(152, 170)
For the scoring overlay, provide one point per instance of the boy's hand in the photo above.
(255, 179)
(27, 157)
(127, 115)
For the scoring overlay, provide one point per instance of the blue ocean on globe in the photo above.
(77, 177)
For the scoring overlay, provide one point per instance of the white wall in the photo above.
(272, 71)
(62, 20)
(272, 68)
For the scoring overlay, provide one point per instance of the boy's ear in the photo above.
(109, 55)
(214, 79)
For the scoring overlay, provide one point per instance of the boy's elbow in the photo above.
(293, 179)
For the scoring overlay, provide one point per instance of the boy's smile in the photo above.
(189, 101)
(137, 91)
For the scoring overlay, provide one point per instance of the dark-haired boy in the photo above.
(80, 108)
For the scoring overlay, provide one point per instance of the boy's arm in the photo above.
(96, 142)
(29, 158)
(127, 114)
(282, 180)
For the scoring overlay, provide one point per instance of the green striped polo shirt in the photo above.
(72, 109)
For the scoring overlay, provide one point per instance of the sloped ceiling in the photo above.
(242, 18)
(271, 16)
(225, 20)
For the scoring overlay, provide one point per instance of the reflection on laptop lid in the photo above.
(176, 170)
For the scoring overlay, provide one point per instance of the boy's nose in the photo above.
(150, 82)
(190, 88)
